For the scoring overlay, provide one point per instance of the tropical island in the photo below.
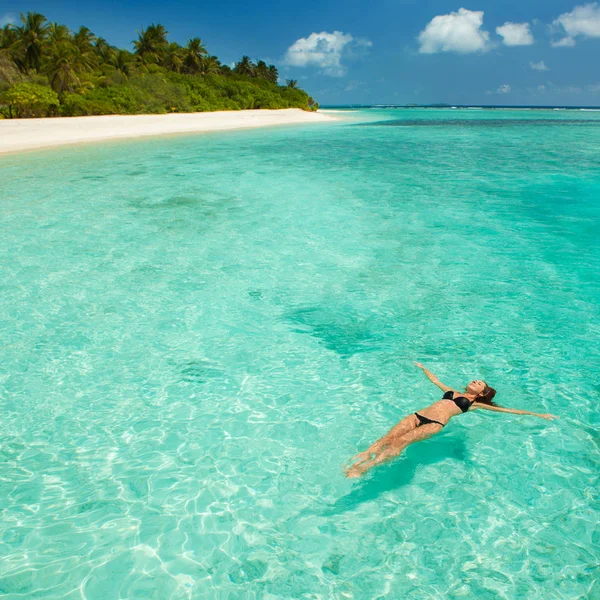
(47, 70)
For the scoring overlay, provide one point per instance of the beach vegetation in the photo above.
(30, 100)
(9, 73)
(62, 65)
(31, 36)
(48, 70)
(194, 56)
(244, 67)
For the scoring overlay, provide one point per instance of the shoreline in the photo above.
(18, 135)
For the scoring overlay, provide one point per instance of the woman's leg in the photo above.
(406, 425)
(394, 448)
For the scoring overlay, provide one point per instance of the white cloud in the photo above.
(353, 85)
(457, 32)
(503, 89)
(538, 66)
(581, 21)
(8, 19)
(566, 42)
(515, 34)
(324, 50)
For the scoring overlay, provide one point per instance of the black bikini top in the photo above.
(461, 401)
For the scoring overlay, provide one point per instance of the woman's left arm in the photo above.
(514, 411)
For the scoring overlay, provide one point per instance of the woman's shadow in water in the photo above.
(401, 472)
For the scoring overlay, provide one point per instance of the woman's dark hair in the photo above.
(487, 395)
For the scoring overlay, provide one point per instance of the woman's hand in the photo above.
(432, 377)
(548, 416)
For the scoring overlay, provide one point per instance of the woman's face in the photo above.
(476, 387)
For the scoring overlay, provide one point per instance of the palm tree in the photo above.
(123, 62)
(261, 70)
(104, 50)
(244, 67)
(61, 66)
(151, 43)
(8, 36)
(211, 66)
(291, 83)
(84, 39)
(174, 57)
(273, 74)
(159, 34)
(58, 33)
(31, 37)
(195, 54)
(9, 73)
(12, 55)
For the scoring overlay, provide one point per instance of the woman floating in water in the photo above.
(431, 420)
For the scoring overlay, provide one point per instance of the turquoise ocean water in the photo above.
(197, 331)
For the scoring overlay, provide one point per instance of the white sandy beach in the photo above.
(28, 134)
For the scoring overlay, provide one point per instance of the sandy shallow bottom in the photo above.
(28, 134)
(197, 331)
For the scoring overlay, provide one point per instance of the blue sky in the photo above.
(386, 51)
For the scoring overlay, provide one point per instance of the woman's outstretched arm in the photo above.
(514, 411)
(433, 378)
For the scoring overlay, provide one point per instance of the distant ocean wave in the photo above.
(454, 107)
(489, 122)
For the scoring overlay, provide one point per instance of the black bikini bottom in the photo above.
(425, 420)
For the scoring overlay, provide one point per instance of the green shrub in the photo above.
(76, 105)
(29, 100)
(157, 94)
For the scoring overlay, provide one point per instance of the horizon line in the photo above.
(447, 105)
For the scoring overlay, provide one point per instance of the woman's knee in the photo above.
(394, 448)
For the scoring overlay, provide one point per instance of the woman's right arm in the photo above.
(433, 378)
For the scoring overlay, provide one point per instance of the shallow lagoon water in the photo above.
(197, 331)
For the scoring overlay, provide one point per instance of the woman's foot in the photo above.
(353, 472)
(362, 457)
